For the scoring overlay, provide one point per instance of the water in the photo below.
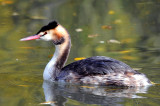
(122, 29)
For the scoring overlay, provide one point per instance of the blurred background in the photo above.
(127, 30)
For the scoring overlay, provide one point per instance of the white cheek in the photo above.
(46, 37)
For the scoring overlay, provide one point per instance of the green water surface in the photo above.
(127, 30)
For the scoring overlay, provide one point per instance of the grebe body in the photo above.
(99, 70)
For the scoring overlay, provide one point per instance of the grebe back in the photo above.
(99, 70)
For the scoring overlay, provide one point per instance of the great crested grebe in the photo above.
(99, 70)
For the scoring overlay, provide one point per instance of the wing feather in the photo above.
(98, 65)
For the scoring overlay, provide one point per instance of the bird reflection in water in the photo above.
(57, 94)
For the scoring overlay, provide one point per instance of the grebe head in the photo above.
(51, 32)
(60, 37)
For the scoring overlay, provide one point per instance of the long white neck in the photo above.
(58, 60)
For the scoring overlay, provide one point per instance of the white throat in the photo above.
(58, 60)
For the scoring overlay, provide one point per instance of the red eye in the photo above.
(44, 33)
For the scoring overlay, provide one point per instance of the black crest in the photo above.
(51, 25)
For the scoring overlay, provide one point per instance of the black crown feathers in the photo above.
(51, 25)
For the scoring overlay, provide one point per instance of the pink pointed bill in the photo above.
(30, 38)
